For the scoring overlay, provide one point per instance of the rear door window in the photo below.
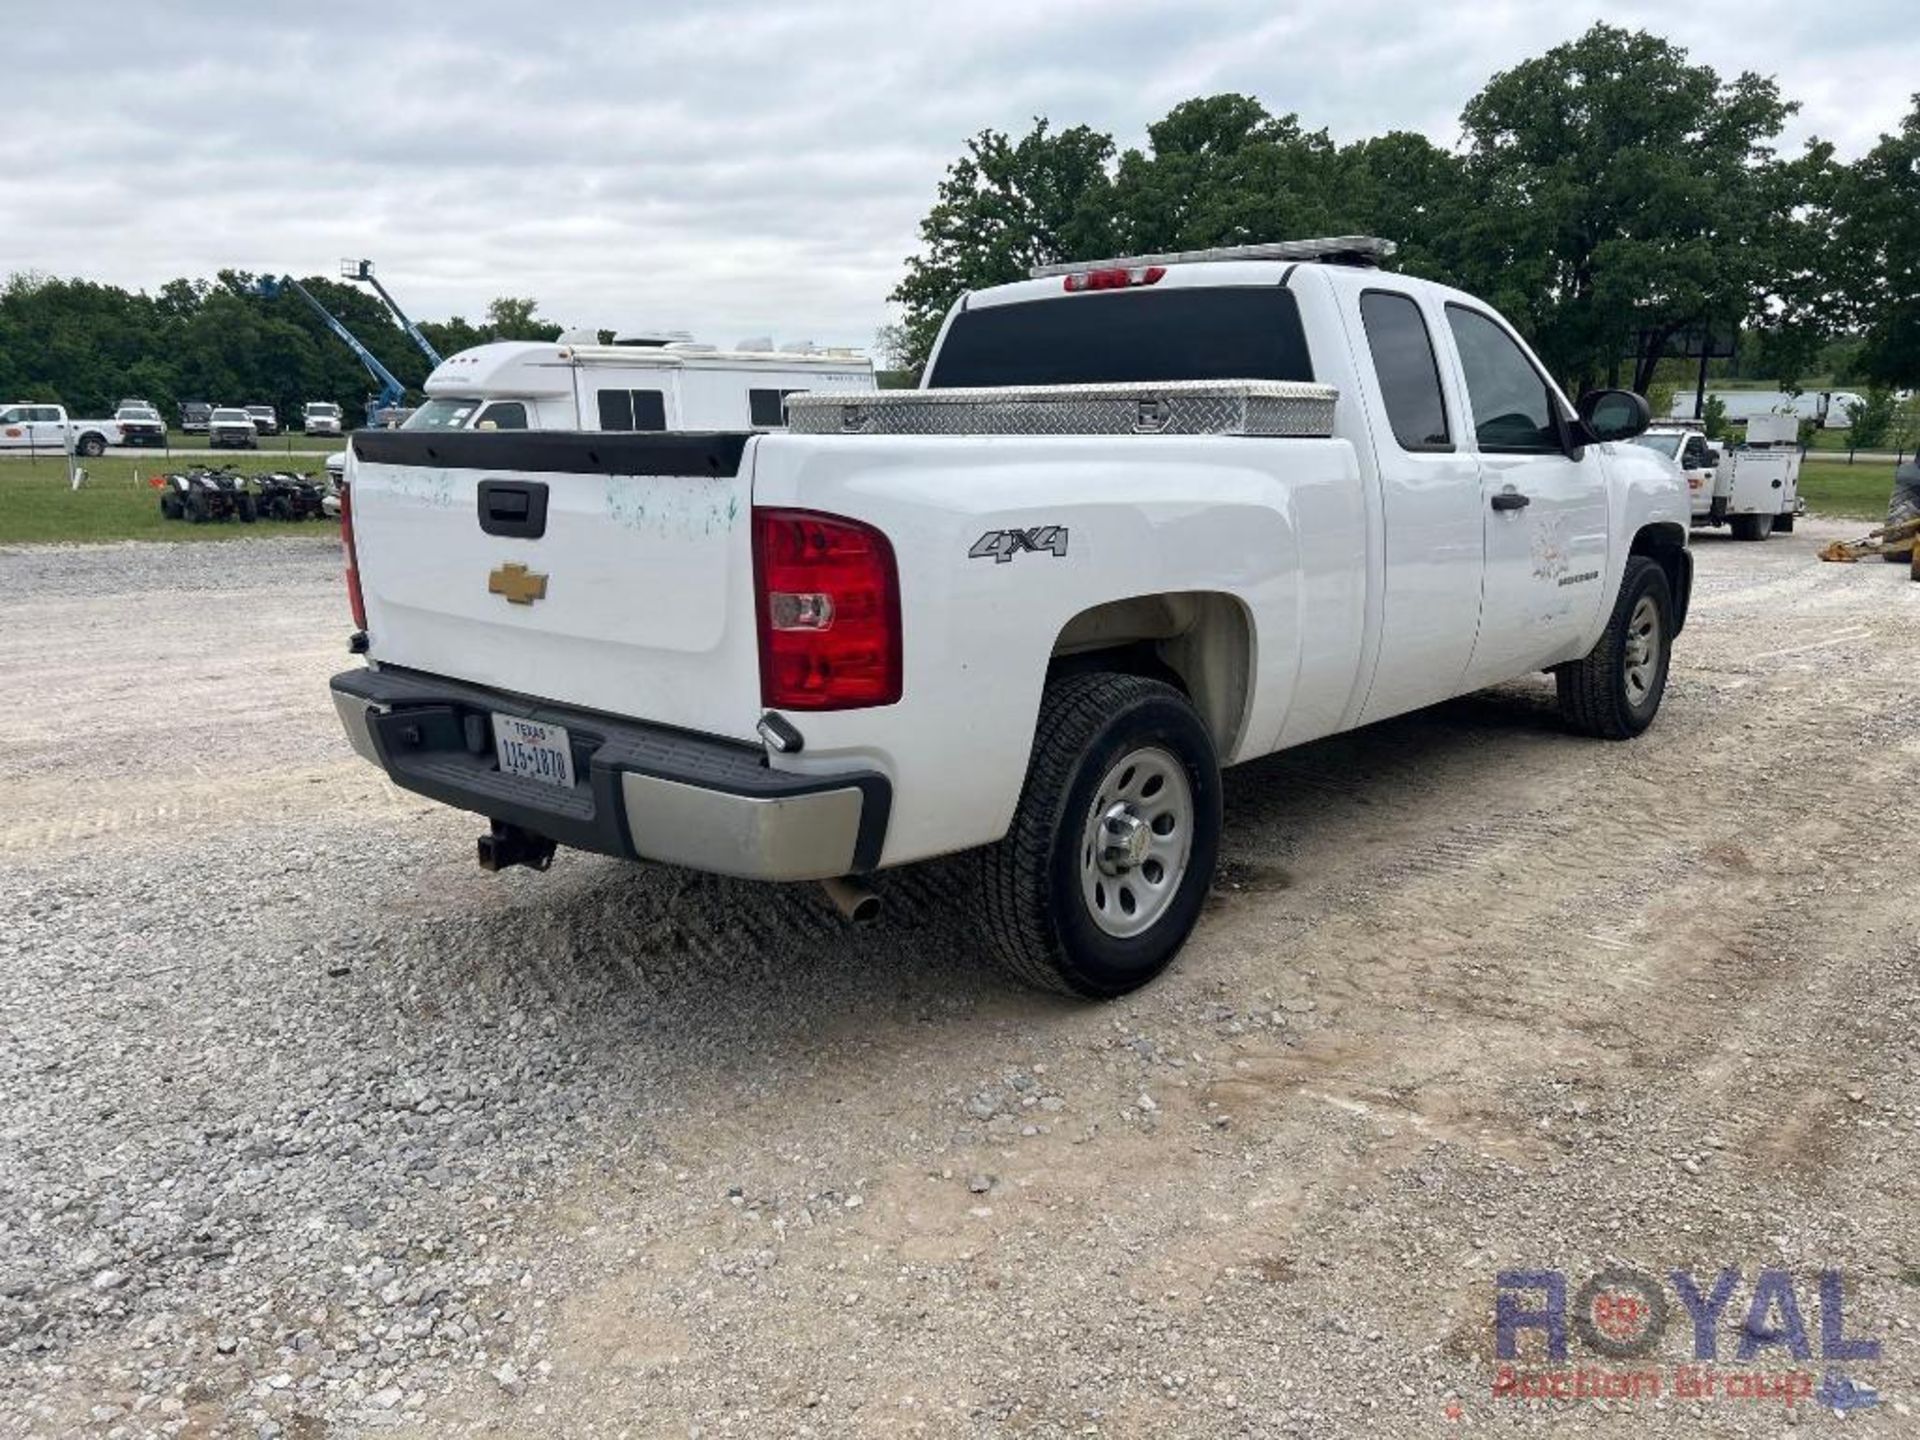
(1214, 332)
(1409, 375)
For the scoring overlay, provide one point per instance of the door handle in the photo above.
(1511, 500)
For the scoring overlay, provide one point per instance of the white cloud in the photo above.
(732, 169)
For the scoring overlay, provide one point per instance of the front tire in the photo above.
(1104, 872)
(1614, 693)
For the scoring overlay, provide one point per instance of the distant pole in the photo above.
(1700, 389)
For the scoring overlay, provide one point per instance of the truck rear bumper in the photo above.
(642, 792)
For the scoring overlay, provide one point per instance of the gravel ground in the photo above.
(310, 1128)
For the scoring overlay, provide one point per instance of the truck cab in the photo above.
(675, 386)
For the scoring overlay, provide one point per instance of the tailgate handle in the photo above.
(516, 508)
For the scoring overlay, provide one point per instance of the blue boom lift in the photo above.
(392, 392)
(363, 270)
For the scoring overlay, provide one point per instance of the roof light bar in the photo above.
(1330, 250)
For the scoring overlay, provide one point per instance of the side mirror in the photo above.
(1614, 414)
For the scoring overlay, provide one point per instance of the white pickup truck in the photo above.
(32, 426)
(1146, 518)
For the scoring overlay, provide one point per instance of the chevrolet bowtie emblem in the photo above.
(518, 584)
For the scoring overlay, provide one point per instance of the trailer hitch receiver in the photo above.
(508, 845)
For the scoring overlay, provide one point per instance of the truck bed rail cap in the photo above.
(1173, 407)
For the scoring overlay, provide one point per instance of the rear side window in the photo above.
(1512, 408)
(1216, 332)
(1409, 375)
(633, 410)
(768, 408)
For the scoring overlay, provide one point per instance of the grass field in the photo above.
(1858, 491)
(117, 503)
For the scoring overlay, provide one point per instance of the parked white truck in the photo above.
(1752, 487)
(1147, 517)
(31, 426)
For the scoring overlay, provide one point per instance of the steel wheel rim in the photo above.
(1644, 645)
(1136, 841)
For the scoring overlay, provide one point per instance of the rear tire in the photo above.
(1614, 693)
(1112, 850)
(1752, 527)
(92, 446)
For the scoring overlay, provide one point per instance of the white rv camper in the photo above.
(676, 385)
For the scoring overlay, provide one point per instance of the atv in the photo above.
(284, 495)
(198, 496)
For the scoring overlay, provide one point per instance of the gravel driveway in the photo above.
(311, 1128)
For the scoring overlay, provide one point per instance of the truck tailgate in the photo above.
(612, 572)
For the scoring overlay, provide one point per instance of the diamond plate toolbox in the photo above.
(1175, 407)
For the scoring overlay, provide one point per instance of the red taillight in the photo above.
(1118, 278)
(354, 598)
(829, 612)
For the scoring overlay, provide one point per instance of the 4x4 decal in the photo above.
(1003, 545)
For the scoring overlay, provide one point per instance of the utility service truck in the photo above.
(1754, 486)
(677, 385)
(1146, 518)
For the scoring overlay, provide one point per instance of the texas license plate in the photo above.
(533, 750)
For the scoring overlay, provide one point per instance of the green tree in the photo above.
(1872, 419)
(1005, 206)
(1403, 187)
(1878, 242)
(1222, 171)
(511, 317)
(1619, 195)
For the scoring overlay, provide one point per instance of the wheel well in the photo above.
(1200, 642)
(1666, 545)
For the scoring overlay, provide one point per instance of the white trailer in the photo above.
(1831, 409)
(675, 386)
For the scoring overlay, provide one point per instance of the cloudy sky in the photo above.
(728, 168)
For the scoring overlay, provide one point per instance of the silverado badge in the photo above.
(517, 583)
